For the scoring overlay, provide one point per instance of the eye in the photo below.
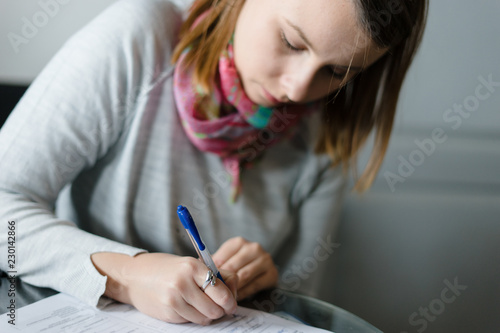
(287, 43)
(330, 69)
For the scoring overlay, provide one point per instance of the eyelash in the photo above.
(287, 44)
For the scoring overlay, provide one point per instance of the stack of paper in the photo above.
(63, 313)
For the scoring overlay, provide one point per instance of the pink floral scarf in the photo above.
(227, 122)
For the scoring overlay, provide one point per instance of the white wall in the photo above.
(54, 22)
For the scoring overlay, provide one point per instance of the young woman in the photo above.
(247, 112)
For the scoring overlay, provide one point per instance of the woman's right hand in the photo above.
(167, 287)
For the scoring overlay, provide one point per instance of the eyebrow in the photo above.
(308, 43)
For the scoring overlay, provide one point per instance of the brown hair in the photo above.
(366, 102)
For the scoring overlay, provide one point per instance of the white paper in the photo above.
(64, 313)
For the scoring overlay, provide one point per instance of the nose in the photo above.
(297, 83)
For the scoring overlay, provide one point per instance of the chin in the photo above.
(257, 99)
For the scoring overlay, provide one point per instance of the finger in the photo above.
(228, 249)
(189, 313)
(231, 280)
(169, 314)
(262, 282)
(244, 256)
(200, 301)
(222, 296)
(253, 269)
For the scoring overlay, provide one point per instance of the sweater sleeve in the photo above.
(70, 117)
(305, 263)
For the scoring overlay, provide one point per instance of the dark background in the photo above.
(9, 95)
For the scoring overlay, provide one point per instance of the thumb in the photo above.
(231, 280)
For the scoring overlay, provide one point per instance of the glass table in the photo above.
(294, 306)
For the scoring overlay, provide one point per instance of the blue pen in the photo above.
(194, 236)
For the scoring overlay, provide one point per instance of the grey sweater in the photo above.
(93, 158)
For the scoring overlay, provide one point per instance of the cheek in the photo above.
(256, 59)
(257, 50)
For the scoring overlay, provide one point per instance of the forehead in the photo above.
(333, 28)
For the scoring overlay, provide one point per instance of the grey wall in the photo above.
(397, 245)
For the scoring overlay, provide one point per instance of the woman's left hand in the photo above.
(253, 265)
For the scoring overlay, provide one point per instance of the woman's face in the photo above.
(299, 49)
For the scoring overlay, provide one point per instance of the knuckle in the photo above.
(240, 240)
(243, 275)
(189, 265)
(169, 302)
(177, 285)
(215, 312)
(255, 247)
(225, 300)
(231, 267)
